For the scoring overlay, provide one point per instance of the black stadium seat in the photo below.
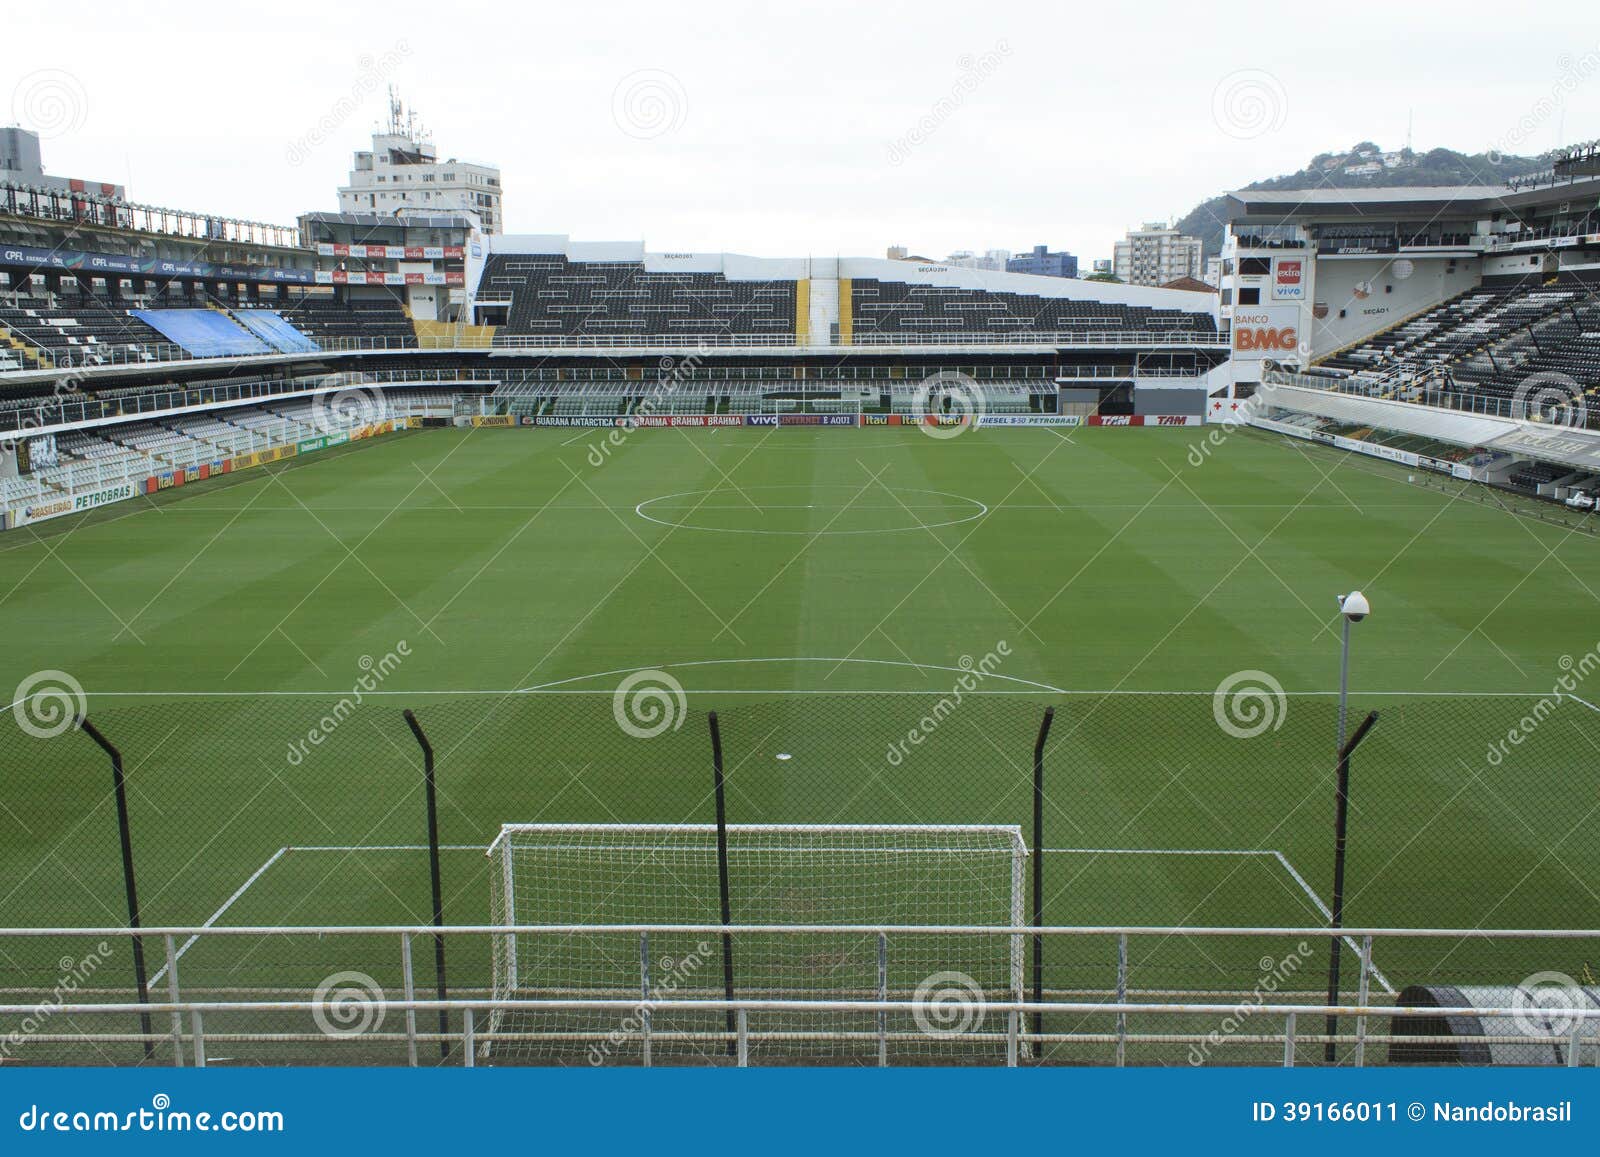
(888, 308)
(552, 297)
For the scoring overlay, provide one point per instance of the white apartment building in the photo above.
(991, 259)
(403, 171)
(1157, 254)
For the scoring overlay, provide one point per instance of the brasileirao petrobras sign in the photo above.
(71, 504)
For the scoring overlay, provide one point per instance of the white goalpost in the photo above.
(873, 875)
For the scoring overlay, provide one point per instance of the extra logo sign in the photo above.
(1289, 279)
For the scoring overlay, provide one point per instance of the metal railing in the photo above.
(83, 207)
(72, 410)
(1463, 401)
(132, 354)
(107, 355)
(1117, 1020)
(1082, 373)
(1159, 338)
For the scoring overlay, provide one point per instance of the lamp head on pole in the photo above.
(1354, 606)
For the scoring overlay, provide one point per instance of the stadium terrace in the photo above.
(674, 751)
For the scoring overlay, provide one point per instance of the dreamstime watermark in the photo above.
(1274, 974)
(69, 386)
(371, 73)
(972, 71)
(1248, 703)
(649, 103)
(1249, 103)
(1573, 674)
(973, 673)
(948, 404)
(1546, 1005)
(948, 1004)
(336, 411)
(47, 703)
(160, 1117)
(672, 975)
(1552, 398)
(51, 102)
(75, 972)
(648, 703)
(348, 1004)
(674, 372)
(1571, 73)
(1240, 413)
(374, 672)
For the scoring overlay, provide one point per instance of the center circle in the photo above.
(810, 509)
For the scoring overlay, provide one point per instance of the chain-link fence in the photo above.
(1157, 810)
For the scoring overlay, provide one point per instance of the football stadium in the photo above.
(437, 645)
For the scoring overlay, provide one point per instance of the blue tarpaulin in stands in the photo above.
(271, 328)
(205, 333)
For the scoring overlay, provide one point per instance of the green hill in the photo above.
(1403, 168)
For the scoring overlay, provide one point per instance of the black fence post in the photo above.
(433, 872)
(119, 785)
(722, 880)
(1038, 864)
(1340, 835)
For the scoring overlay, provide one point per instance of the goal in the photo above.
(877, 876)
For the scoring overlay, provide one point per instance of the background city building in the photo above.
(1043, 263)
(402, 171)
(1157, 254)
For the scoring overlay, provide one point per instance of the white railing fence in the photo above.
(86, 358)
(1506, 404)
(254, 996)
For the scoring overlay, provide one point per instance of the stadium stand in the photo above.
(379, 320)
(206, 333)
(1449, 332)
(621, 397)
(1484, 342)
(133, 451)
(554, 297)
(1531, 475)
(82, 332)
(1565, 342)
(19, 489)
(890, 307)
(276, 332)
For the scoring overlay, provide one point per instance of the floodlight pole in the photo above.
(1344, 681)
(1353, 607)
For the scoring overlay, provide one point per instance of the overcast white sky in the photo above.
(792, 129)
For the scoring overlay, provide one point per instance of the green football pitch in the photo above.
(251, 642)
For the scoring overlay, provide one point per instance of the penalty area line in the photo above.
(217, 915)
(1294, 874)
(1383, 981)
(278, 855)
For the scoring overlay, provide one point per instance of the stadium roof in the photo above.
(409, 220)
(1280, 203)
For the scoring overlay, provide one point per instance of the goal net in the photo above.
(879, 876)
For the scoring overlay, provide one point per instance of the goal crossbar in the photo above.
(1012, 832)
